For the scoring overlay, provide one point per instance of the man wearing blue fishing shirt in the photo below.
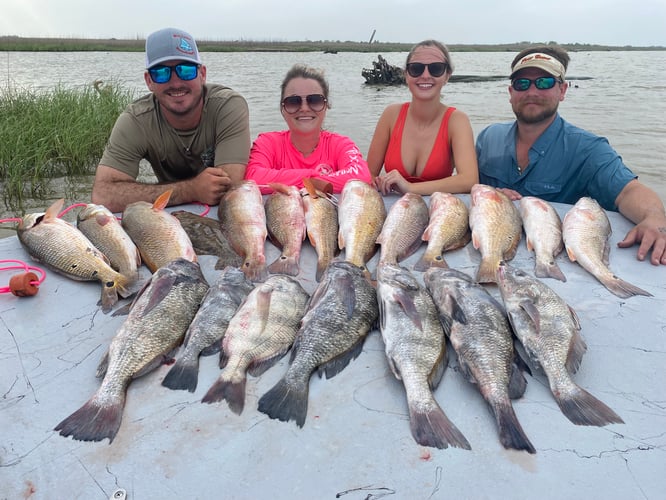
(540, 154)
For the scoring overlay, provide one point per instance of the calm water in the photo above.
(625, 99)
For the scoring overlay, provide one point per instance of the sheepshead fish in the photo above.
(403, 228)
(205, 333)
(321, 224)
(171, 297)
(64, 249)
(448, 229)
(104, 230)
(258, 336)
(585, 231)
(479, 331)
(340, 313)
(207, 238)
(416, 352)
(496, 229)
(285, 222)
(543, 232)
(549, 331)
(243, 218)
(361, 215)
(158, 234)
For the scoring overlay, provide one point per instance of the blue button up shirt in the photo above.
(565, 164)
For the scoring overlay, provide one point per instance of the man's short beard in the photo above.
(544, 115)
(185, 112)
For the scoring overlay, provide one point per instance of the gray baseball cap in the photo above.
(170, 44)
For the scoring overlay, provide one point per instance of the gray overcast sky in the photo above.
(608, 22)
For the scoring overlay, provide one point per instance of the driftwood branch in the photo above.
(382, 73)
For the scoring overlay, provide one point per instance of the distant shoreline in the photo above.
(21, 44)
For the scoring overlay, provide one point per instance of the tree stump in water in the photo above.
(383, 73)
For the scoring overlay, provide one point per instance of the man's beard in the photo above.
(543, 115)
(183, 111)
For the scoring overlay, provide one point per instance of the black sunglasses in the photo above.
(542, 83)
(185, 71)
(293, 103)
(435, 69)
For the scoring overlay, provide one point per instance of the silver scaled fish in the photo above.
(205, 333)
(64, 249)
(259, 335)
(549, 331)
(481, 336)
(171, 297)
(416, 351)
(340, 313)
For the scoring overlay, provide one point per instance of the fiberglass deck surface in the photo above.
(356, 442)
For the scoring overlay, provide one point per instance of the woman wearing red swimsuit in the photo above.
(421, 143)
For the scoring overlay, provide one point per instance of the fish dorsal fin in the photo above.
(54, 210)
(320, 185)
(279, 187)
(162, 200)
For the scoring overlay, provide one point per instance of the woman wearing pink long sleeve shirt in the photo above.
(305, 150)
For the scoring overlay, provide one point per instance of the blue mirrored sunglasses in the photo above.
(542, 83)
(185, 71)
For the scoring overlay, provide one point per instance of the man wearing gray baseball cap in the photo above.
(540, 154)
(195, 135)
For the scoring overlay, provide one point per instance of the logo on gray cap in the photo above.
(170, 44)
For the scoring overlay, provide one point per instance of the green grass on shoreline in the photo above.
(15, 43)
(59, 133)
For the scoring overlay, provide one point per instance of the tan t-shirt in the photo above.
(141, 132)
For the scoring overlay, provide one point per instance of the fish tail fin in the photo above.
(428, 260)
(487, 272)
(431, 427)
(511, 433)
(184, 374)
(285, 265)
(109, 298)
(582, 408)
(233, 391)
(94, 421)
(549, 270)
(286, 401)
(621, 288)
(257, 273)
(118, 285)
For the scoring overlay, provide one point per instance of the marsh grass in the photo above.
(52, 134)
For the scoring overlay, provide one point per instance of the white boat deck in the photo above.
(356, 442)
